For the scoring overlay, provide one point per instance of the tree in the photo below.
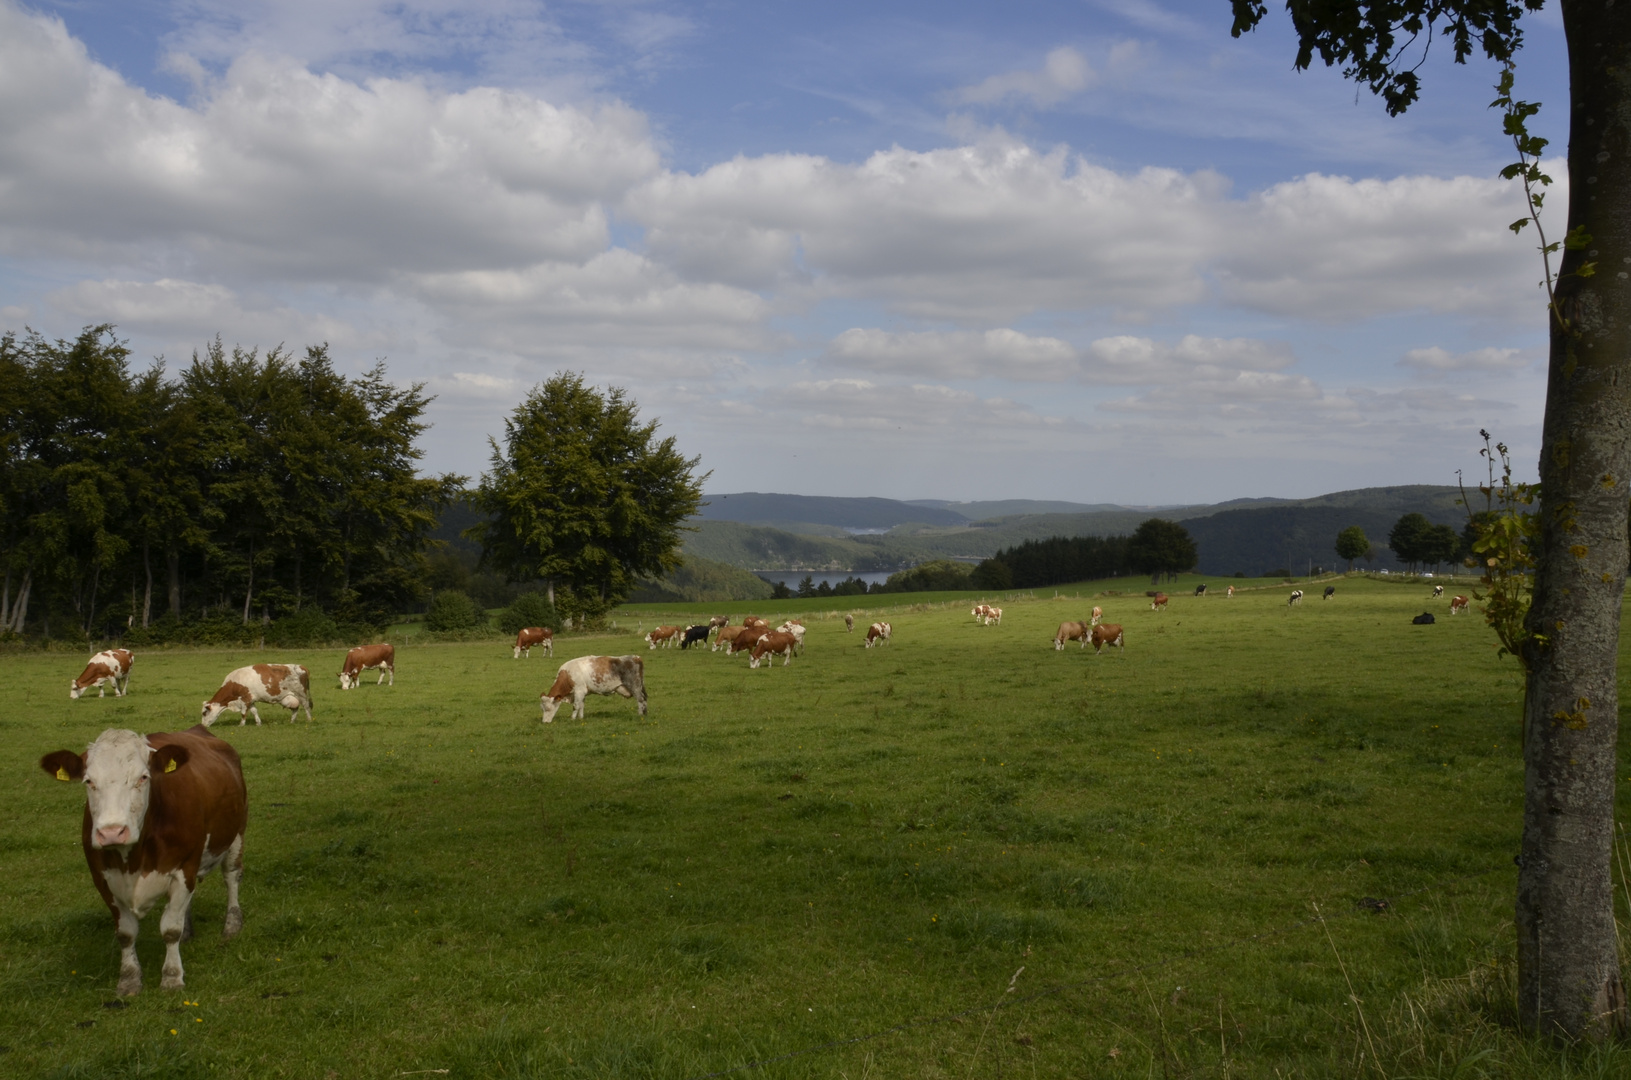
(1161, 547)
(1352, 544)
(1411, 539)
(1569, 980)
(1442, 543)
(584, 497)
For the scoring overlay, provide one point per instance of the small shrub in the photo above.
(529, 609)
(453, 610)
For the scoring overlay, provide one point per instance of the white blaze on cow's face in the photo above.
(550, 706)
(74, 690)
(118, 784)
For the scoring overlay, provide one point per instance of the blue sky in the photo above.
(1094, 251)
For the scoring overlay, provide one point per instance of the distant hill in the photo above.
(1295, 537)
(753, 508)
(977, 511)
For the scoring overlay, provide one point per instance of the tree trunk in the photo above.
(147, 593)
(172, 559)
(549, 587)
(249, 590)
(19, 610)
(1569, 981)
(96, 584)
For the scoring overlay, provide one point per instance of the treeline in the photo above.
(243, 494)
(1056, 561)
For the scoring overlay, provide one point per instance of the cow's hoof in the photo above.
(234, 923)
(171, 981)
(130, 984)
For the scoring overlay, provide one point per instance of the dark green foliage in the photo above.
(256, 486)
(1160, 547)
(1417, 541)
(529, 609)
(453, 610)
(1054, 561)
(1352, 544)
(584, 497)
(939, 575)
(779, 590)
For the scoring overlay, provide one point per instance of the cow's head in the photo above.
(550, 705)
(213, 709)
(117, 770)
(74, 690)
(345, 680)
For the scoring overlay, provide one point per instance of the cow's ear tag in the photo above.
(170, 766)
(62, 774)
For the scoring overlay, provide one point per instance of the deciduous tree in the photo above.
(1161, 547)
(1352, 544)
(1569, 978)
(584, 496)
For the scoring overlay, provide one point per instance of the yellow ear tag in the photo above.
(170, 766)
(62, 774)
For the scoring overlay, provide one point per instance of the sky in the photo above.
(1093, 250)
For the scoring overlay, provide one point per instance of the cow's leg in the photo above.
(578, 697)
(549, 648)
(126, 924)
(173, 925)
(233, 872)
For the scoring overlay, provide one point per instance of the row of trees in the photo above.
(242, 486)
(1157, 547)
(1415, 541)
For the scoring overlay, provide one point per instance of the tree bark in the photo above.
(1569, 979)
(249, 589)
(147, 593)
(172, 559)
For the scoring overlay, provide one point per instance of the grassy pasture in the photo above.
(778, 859)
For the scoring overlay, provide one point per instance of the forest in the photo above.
(241, 494)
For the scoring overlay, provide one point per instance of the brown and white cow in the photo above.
(1107, 634)
(717, 621)
(796, 628)
(754, 620)
(529, 636)
(993, 615)
(723, 639)
(577, 679)
(774, 644)
(364, 657)
(110, 667)
(877, 634)
(288, 685)
(1231, 592)
(745, 640)
(161, 811)
(1458, 604)
(665, 636)
(979, 613)
(1071, 631)
(1159, 602)
(1098, 616)
(849, 623)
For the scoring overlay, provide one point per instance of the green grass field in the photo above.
(994, 858)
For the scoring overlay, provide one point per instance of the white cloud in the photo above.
(190, 311)
(281, 171)
(1064, 72)
(860, 404)
(1436, 360)
(965, 354)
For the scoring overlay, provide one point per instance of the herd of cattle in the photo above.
(141, 849)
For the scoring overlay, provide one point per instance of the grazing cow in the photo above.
(108, 668)
(754, 620)
(849, 623)
(161, 811)
(283, 684)
(1108, 634)
(1159, 603)
(877, 634)
(743, 641)
(1424, 619)
(726, 635)
(1231, 594)
(1458, 604)
(364, 657)
(699, 632)
(664, 636)
(979, 613)
(717, 621)
(774, 644)
(1438, 591)
(577, 679)
(993, 615)
(1330, 591)
(1071, 631)
(796, 628)
(1295, 598)
(1098, 616)
(1200, 590)
(541, 636)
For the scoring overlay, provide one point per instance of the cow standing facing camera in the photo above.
(161, 811)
